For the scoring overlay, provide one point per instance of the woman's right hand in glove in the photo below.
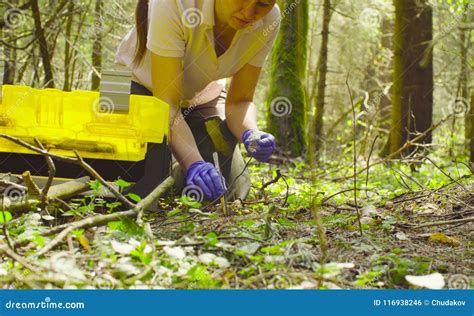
(205, 176)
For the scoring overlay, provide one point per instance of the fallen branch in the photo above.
(85, 223)
(77, 161)
(56, 194)
(6, 184)
(144, 204)
(450, 222)
(21, 260)
(21, 204)
(70, 188)
(33, 189)
(158, 192)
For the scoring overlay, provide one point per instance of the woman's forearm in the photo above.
(182, 140)
(167, 79)
(240, 117)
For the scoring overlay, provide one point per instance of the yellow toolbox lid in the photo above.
(81, 120)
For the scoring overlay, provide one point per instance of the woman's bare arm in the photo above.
(241, 113)
(167, 80)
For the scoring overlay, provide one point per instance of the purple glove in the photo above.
(259, 145)
(205, 176)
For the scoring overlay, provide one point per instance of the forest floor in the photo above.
(271, 240)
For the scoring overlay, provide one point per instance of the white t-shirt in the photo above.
(184, 28)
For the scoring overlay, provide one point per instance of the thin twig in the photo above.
(285, 202)
(341, 192)
(407, 145)
(51, 172)
(368, 165)
(6, 183)
(10, 253)
(446, 174)
(97, 176)
(66, 206)
(275, 180)
(354, 130)
(223, 198)
(260, 277)
(38, 150)
(450, 222)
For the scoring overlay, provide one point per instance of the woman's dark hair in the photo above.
(141, 22)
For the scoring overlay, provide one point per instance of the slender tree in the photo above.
(286, 100)
(67, 47)
(471, 137)
(464, 42)
(316, 134)
(43, 45)
(97, 46)
(8, 34)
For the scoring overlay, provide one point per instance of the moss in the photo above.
(287, 73)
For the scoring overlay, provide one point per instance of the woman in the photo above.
(178, 51)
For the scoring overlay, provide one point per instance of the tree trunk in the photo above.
(97, 46)
(412, 101)
(286, 100)
(464, 42)
(43, 45)
(383, 97)
(472, 129)
(67, 48)
(316, 134)
(7, 33)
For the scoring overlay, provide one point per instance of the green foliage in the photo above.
(140, 254)
(5, 216)
(388, 223)
(126, 226)
(134, 197)
(371, 277)
(211, 239)
(122, 184)
(395, 266)
(342, 220)
(174, 212)
(190, 202)
(199, 277)
(95, 185)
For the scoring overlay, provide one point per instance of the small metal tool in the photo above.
(215, 155)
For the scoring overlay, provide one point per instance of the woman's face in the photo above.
(241, 13)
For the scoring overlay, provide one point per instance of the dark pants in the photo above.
(211, 133)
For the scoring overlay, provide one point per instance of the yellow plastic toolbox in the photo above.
(120, 135)
(82, 120)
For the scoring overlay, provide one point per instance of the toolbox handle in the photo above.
(115, 89)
